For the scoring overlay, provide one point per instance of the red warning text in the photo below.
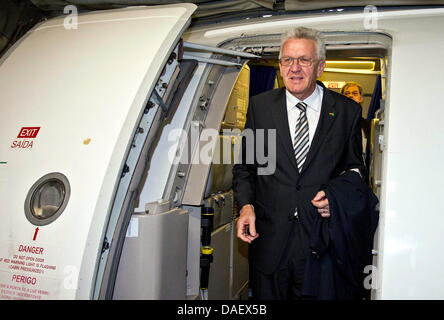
(30, 249)
(24, 279)
(28, 132)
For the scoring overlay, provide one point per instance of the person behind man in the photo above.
(353, 90)
(318, 139)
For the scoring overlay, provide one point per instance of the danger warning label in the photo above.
(28, 263)
(27, 274)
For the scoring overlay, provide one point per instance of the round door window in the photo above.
(47, 199)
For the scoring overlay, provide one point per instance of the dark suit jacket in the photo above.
(336, 147)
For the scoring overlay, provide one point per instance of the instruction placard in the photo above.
(28, 273)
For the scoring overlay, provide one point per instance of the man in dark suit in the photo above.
(318, 138)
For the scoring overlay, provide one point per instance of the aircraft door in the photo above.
(75, 130)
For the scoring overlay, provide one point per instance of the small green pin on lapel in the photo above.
(331, 114)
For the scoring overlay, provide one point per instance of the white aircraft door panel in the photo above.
(71, 99)
(410, 237)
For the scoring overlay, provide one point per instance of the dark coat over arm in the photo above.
(341, 246)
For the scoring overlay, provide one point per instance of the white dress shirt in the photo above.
(314, 103)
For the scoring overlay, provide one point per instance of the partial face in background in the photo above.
(352, 92)
(300, 77)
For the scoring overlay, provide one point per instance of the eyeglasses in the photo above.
(303, 62)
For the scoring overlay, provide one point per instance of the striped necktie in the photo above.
(301, 142)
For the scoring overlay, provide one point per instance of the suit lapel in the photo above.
(326, 119)
(280, 117)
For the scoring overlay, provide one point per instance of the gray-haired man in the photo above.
(318, 139)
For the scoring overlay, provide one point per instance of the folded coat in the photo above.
(341, 246)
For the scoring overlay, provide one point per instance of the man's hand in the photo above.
(320, 201)
(246, 227)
